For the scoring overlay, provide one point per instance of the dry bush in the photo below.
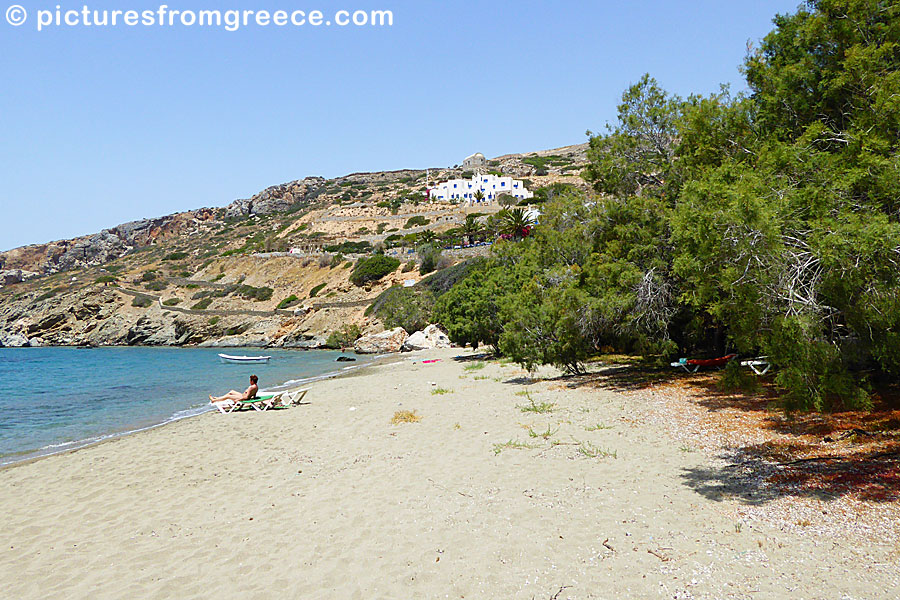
(405, 416)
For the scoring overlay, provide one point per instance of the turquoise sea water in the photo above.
(56, 399)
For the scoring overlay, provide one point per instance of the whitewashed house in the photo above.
(491, 186)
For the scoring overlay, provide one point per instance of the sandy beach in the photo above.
(586, 495)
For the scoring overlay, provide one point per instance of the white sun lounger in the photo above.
(261, 404)
(290, 398)
(760, 365)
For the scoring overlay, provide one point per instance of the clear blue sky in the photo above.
(103, 126)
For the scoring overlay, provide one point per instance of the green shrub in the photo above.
(142, 301)
(288, 302)
(257, 294)
(417, 221)
(157, 285)
(469, 306)
(213, 320)
(175, 255)
(203, 304)
(441, 282)
(148, 276)
(336, 260)
(409, 308)
(373, 269)
(552, 191)
(105, 279)
(172, 302)
(313, 292)
(344, 337)
(429, 257)
(350, 248)
(409, 266)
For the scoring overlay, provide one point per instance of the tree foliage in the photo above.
(766, 223)
(470, 310)
(407, 307)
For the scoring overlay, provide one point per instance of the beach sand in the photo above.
(331, 500)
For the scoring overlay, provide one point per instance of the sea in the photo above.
(58, 399)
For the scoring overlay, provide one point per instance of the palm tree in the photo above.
(471, 228)
(478, 195)
(426, 236)
(515, 222)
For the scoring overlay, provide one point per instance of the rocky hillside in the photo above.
(222, 276)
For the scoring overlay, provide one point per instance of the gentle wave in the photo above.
(62, 447)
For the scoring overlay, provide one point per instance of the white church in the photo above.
(491, 187)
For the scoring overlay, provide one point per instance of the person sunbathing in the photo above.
(235, 396)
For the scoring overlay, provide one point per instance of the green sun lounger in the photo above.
(226, 407)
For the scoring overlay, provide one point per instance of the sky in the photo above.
(104, 125)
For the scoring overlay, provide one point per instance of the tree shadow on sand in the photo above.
(467, 358)
(816, 455)
(752, 475)
(621, 378)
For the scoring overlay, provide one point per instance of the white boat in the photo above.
(225, 358)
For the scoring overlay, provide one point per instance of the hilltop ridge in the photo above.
(175, 279)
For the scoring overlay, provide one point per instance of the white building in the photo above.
(476, 161)
(491, 186)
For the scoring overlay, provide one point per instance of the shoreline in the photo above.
(506, 486)
(75, 446)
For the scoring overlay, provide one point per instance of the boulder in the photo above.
(428, 338)
(12, 340)
(381, 343)
(416, 341)
(313, 343)
(12, 276)
(305, 341)
(345, 359)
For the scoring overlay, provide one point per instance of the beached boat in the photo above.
(225, 358)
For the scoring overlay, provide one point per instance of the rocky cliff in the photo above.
(222, 276)
(278, 198)
(103, 247)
